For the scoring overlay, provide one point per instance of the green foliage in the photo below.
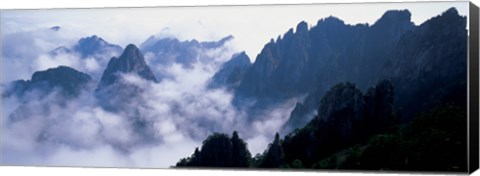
(297, 164)
(273, 156)
(345, 117)
(256, 160)
(240, 155)
(328, 163)
(438, 140)
(433, 141)
(384, 152)
(219, 150)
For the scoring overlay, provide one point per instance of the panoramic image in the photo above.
(371, 86)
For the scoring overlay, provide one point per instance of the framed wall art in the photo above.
(356, 87)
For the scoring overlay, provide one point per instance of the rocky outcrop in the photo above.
(309, 61)
(68, 81)
(231, 72)
(130, 62)
(428, 65)
(113, 92)
(94, 45)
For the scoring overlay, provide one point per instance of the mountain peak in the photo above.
(68, 79)
(93, 45)
(451, 11)
(451, 14)
(131, 61)
(330, 21)
(55, 28)
(231, 72)
(450, 22)
(227, 38)
(50, 73)
(394, 16)
(219, 43)
(150, 41)
(91, 40)
(240, 59)
(393, 24)
(302, 27)
(131, 48)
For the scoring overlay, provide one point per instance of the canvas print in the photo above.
(371, 86)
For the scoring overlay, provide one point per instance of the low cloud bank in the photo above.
(176, 115)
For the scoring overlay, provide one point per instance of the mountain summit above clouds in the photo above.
(68, 81)
(94, 45)
(91, 46)
(131, 61)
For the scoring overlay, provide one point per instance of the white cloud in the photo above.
(103, 156)
(92, 65)
(181, 111)
(258, 144)
(27, 51)
(44, 61)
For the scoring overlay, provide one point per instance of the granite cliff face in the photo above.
(307, 62)
(326, 54)
(426, 68)
(428, 65)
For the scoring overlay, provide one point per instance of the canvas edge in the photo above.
(473, 98)
(473, 92)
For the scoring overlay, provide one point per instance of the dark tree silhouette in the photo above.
(273, 156)
(240, 155)
(219, 150)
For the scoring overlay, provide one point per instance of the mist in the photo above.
(179, 112)
(27, 51)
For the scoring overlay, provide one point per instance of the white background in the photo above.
(52, 171)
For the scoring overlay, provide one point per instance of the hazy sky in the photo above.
(252, 26)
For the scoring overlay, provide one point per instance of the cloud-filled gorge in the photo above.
(179, 111)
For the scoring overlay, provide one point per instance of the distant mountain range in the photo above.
(163, 52)
(171, 50)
